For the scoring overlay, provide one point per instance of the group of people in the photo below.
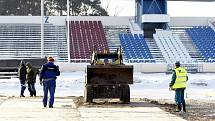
(49, 72)
(27, 75)
(47, 76)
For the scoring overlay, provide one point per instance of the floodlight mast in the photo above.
(42, 28)
(68, 30)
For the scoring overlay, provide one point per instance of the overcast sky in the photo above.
(127, 8)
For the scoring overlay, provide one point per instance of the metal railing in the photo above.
(80, 60)
(190, 67)
(140, 61)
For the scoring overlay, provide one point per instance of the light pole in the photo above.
(42, 28)
(68, 31)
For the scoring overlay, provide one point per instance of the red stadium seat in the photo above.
(84, 35)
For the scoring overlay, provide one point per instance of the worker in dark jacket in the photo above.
(48, 76)
(178, 84)
(22, 77)
(31, 79)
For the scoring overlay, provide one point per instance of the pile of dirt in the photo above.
(78, 101)
(2, 99)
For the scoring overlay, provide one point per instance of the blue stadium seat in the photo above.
(135, 48)
(204, 39)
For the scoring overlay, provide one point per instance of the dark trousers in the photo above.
(179, 96)
(31, 89)
(49, 86)
(23, 87)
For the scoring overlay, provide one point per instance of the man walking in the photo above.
(178, 84)
(31, 79)
(22, 77)
(48, 76)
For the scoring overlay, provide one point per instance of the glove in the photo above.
(170, 85)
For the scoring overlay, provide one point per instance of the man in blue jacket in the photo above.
(48, 76)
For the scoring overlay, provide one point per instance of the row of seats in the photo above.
(204, 39)
(24, 41)
(84, 36)
(171, 47)
(135, 48)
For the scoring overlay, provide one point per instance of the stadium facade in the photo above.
(152, 40)
(20, 38)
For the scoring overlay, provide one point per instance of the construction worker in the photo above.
(31, 79)
(119, 60)
(48, 76)
(105, 51)
(22, 77)
(178, 84)
(94, 58)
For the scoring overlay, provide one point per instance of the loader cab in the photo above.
(106, 58)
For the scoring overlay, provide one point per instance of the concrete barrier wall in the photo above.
(147, 68)
(208, 67)
(69, 67)
(150, 68)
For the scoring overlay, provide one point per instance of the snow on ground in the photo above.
(146, 85)
(155, 86)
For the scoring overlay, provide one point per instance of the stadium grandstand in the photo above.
(151, 40)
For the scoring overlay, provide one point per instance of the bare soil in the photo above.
(197, 110)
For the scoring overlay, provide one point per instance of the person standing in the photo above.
(48, 76)
(22, 77)
(178, 83)
(31, 79)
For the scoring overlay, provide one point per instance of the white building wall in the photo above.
(61, 20)
(189, 21)
(106, 20)
(113, 21)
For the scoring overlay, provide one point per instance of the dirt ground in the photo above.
(197, 110)
(2, 99)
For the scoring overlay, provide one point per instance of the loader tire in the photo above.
(88, 93)
(125, 94)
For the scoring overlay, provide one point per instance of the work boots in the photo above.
(184, 107)
(179, 108)
(22, 93)
(34, 94)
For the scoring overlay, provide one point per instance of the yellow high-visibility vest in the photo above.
(181, 78)
(117, 62)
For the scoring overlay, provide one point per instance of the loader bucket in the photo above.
(109, 74)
